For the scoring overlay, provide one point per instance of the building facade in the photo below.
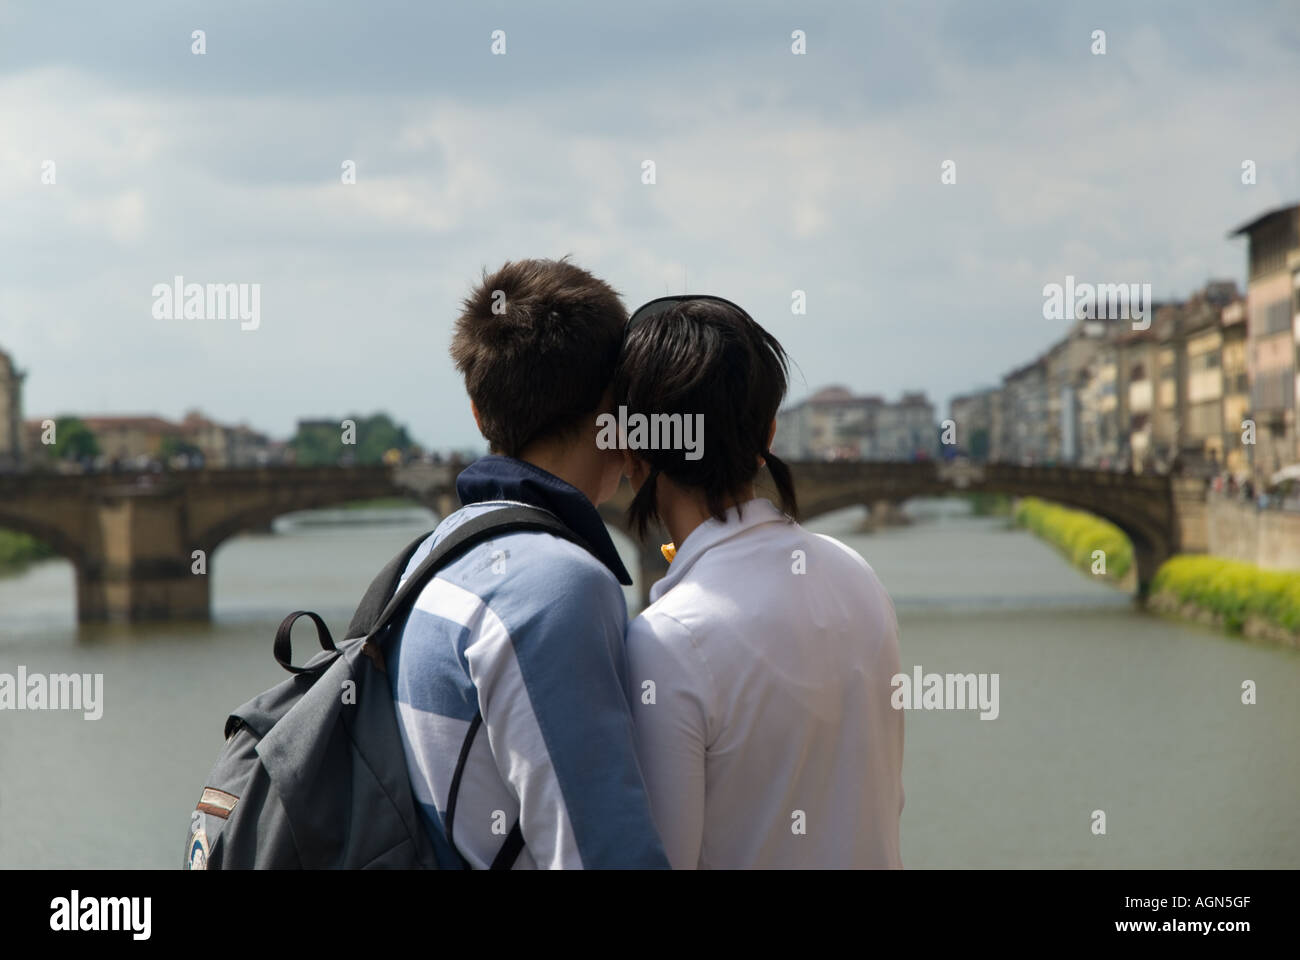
(12, 440)
(1272, 305)
(1201, 444)
(833, 424)
(1236, 389)
(973, 416)
(196, 441)
(1102, 434)
(1024, 419)
(906, 430)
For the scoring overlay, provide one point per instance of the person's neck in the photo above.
(682, 510)
(568, 463)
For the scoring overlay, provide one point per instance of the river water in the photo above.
(1101, 707)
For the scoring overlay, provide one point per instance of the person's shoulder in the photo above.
(855, 565)
(527, 555)
(662, 648)
(533, 580)
(847, 551)
(561, 566)
(524, 573)
(662, 626)
(794, 535)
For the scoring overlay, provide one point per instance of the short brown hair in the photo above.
(537, 343)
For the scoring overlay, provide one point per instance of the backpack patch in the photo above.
(197, 847)
(217, 802)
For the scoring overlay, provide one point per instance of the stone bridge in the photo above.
(134, 539)
(1161, 514)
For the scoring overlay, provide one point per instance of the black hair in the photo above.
(709, 358)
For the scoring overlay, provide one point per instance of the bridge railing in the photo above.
(422, 478)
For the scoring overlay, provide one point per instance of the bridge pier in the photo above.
(138, 568)
(885, 513)
(1146, 561)
(135, 566)
(141, 591)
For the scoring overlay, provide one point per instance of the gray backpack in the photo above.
(313, 774)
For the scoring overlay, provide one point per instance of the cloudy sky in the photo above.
(775, 173)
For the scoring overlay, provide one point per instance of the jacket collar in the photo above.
(710, 533)
(504, 478)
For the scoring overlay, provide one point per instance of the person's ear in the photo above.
(478, 421)
(634, 468)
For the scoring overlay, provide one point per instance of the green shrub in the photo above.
(1077, 534)
(17, 549)
(989, 504)
(1232, 589)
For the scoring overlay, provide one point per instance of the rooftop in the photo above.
(1263, 218)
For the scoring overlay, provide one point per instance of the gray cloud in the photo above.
(775, 172)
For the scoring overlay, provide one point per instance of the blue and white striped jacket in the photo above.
(527, 629)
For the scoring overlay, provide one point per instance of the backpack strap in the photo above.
(381, 588)
(510, 850)
(283, 647)
(514, 842)
(485, 526)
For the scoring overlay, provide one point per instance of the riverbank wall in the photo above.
(1238, 530)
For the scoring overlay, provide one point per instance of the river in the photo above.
(1101, 707)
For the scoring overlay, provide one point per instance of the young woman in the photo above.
(760, 673)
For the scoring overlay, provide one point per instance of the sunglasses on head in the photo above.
(662, 304)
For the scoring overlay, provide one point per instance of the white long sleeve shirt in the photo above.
(760, 682)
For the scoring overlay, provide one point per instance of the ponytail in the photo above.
(644, 507)
(784, 481)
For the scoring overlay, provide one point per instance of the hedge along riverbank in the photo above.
(1239, 597)
(1078, 535)
(17, 550)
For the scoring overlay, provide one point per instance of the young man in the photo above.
(527, 630)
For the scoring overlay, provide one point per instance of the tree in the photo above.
(378, 434)
(73, 440)
(320, 442)
(174, 446)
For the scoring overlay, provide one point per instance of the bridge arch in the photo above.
(262, 516)
(57, 539)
